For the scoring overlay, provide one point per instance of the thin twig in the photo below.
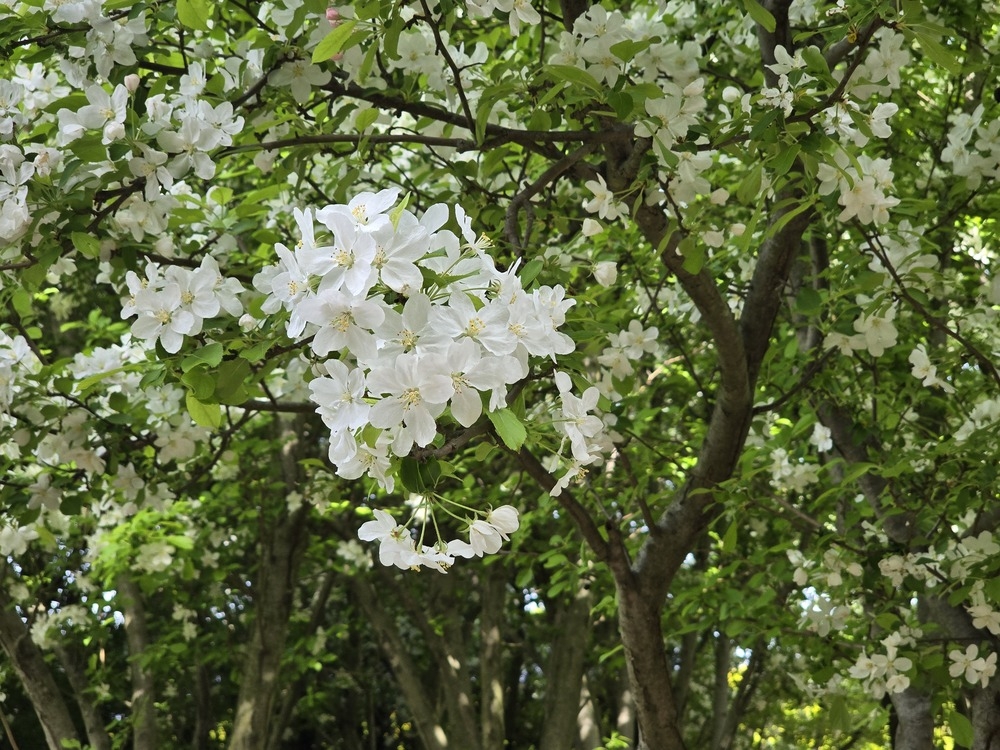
(550, 174)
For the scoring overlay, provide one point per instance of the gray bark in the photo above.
(720, 692)
(449, 650)
(588, 728)
(144, 730)
(294, 693)
(97, 735)
(282, 539)
(281, 545)
(36, 678)
(564, 673)
(625, 719)
(915, 730)
(491, 671)
(425, 718)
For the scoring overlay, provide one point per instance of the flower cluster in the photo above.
(601, 43)
(863, 192)
(976, 668)
(411, 323)
(884, 673)
(398, 547)
(175, 303)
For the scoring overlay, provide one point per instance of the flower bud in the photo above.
(131, 82)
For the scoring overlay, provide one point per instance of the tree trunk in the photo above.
(648, 669)
(625, 718)
(986, 717)
(915, 730)
(281, 546)
(564, 673)
(283, 538)
(35, 677)
(588, 727)
(97, 735)
(432, 734)
(448, 647)
(144, 730)
(720, 693)
(294, 693)
(491, 671)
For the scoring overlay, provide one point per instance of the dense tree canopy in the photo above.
(499, 373)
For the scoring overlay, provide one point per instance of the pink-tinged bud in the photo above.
(131, 82)
(333, 16)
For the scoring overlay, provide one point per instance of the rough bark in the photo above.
(449, 650)
(203, 709)
(915, 730)
(491, 671)
(35, 676)
(281, 545)
(97, 735)
(425, 718)
(144, 730)
(986, 717)
(294, 692)
(588, 728)
(642, 588)
(720, 691)
(282, 539)
(564, 673)
(625, 719)
(646, 659)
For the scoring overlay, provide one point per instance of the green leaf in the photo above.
(333, 43)
(89, 149)
(397, 212)
(781, 162)
(809, 301)
(961, 729)
(729, 538)
(194, 13)
(210, 355)
(200, 382)
(938, 53)
(179, 541)
(621, 103)
(573, 74)
(365, 119)
(230, 387)
(87, 246)
(419, 476)
(992, 589)
(749, 190)
(206, 415)
(487, 100)
(693, 253)
(815, 62)
(22, 301)
(531, 270)
(509, 428)
(368, 62)
(627, 49)
(257, 352)
(760, 15)
(789, 215)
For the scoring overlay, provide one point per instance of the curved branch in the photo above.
(591, 534)
(525, 195)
